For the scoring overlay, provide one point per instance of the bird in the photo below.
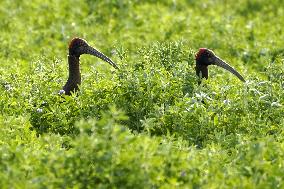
(77, 47)
(205, 57)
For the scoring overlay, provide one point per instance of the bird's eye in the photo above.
(209, 54)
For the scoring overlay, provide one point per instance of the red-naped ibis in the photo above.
(205, 57)
(77, 47)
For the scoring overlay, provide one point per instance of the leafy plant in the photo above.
(148, 124)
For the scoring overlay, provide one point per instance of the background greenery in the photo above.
(147, 125)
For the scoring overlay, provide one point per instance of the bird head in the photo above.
(79, 46)
(205, 57)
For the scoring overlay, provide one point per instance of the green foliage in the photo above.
(148, 124)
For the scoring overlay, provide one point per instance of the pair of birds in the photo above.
(204, 57)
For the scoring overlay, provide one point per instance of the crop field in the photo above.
(148, 124)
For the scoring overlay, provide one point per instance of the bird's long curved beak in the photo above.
(95, 52)
(219, 62)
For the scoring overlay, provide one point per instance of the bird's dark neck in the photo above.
(201, 71)
(74, 79)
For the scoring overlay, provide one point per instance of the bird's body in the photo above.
(74, 79)
(77, 47)
(206, 57)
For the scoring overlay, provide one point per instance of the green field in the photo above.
(148, 124)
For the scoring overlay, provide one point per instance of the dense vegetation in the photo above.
(149, 124)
